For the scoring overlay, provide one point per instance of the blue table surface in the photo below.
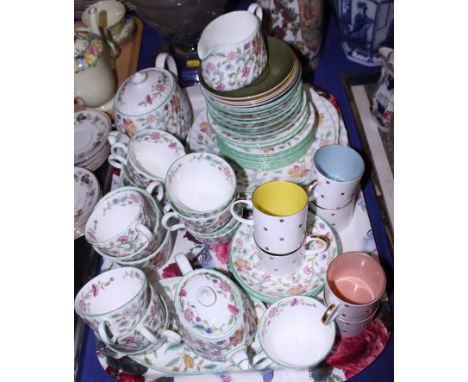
(327, 75)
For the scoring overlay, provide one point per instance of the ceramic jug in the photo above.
(299, 23)
(95, 81)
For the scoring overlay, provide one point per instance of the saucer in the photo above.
(245, 265)
(330, 129)
(91, 130)
(177, 359)
(87, 192)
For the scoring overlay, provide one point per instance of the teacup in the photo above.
(150, 333)
(147, 156)
(200, 184)
(338, 170)
(204, 226)
(111, 13)
(292, 336)
(281, 265)
(232, 50)
(219, 237)
(354, 284)
(114, 301)
(279, 216)
(212, 315)
(119, 224)
(337, 218)
(353, 328)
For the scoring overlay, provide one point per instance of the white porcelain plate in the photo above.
(177, 359)
(91, 130)
(87, 193)
(330, 130)
(245, 265)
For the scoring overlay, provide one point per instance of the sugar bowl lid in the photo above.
(208, 303)
(88, 48)
(148, 89)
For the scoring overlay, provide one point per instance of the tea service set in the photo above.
(283, 245)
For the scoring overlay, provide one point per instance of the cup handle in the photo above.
(164, 59)
(119, 149)
(321, 238)
(176, 226)
(311, 186)
(237, 216)
(167, 208)
(156, 184)
(146, 233)
(241, 359)
(148, 335)
(183, 263)
(117, 161)
(261, 361)
(118, 137)
(256, 9)
(330, 314)
(102, 331)
(171, 336)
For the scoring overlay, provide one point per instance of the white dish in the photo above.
(91, 130)
(87, 192)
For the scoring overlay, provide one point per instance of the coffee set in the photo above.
(284, 248)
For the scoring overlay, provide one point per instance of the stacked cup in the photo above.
(125, 227)
(125, 312)
(144, 159)
(280, 226)
(354, 285)
(200, 188)
(338, 170)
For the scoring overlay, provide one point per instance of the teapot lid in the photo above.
(88, 48)
(208, 303)
(144, 92)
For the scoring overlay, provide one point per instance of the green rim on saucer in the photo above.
(280, 64)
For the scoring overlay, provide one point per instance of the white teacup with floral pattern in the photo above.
(232, 49)
(292, 335)
(149, 334)
(148, 155)
(200, 184)
(212, 315)
(119, 224)
(115, 300)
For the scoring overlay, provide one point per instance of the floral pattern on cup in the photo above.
(236, 68)
(119, 320)
(213, 161)
(130, 241)
(245, 265)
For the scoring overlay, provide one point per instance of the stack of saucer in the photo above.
(269, 123)
(91, 130)
(87, 193)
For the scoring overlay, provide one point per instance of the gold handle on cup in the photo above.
(311, 185)
(327, 314)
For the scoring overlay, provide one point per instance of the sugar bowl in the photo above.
(151, 98)
(212, 315)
